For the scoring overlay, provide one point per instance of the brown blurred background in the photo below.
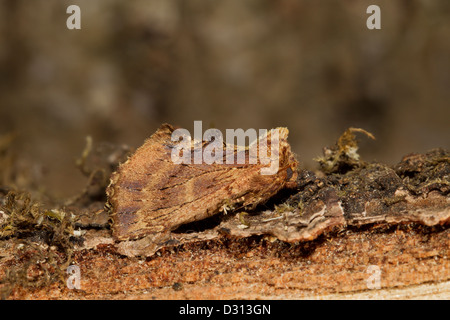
(312, 66)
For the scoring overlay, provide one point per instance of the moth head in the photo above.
(278, 147)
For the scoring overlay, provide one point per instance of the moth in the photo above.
(149, 194)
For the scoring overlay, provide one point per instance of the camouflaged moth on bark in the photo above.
(151, 195)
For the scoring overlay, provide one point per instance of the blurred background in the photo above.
(312, 66)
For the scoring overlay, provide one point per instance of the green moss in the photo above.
(42, 238)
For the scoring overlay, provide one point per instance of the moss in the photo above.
(284, 207)
(343, 156)
(422, 173)
(356, 183)
(242, 219)
(26, 218)
(42, 238)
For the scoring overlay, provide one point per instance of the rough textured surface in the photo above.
(311, 66)
(257, 268)
(316, 241)
(360, 194)
(150, 195)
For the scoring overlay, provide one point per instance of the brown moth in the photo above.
(149, 194)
